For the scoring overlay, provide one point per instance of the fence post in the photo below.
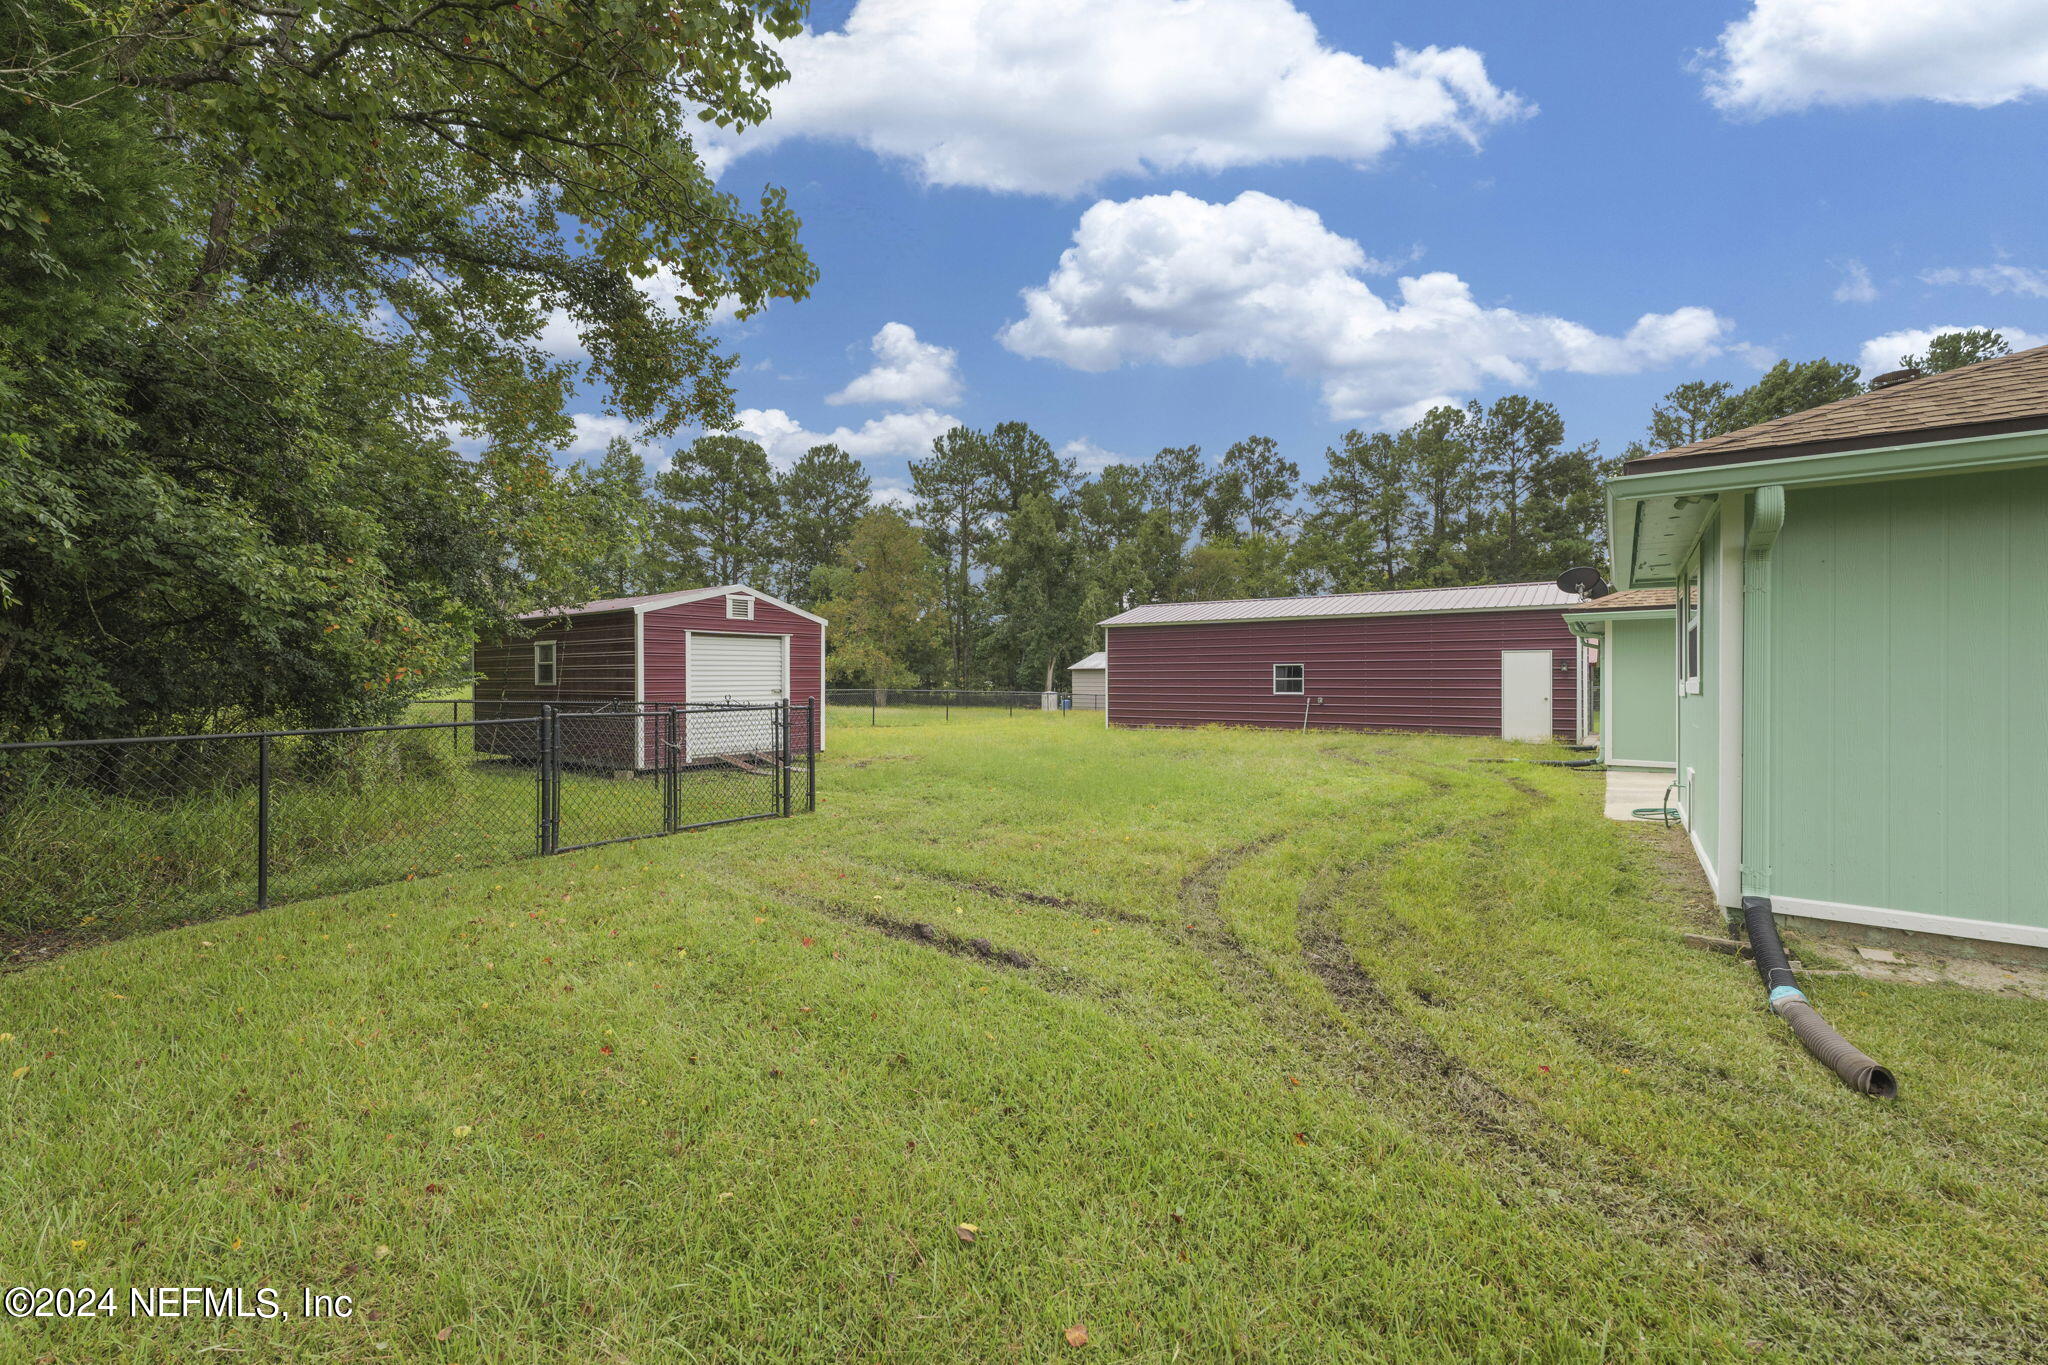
(550, 793)
(263, 822)
(454, 727)
(810, 755)
(672, 816)
(782, 775)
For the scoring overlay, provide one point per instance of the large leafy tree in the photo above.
(1178, 483)
(1036, 590)
(823, 495)
(1251, 490)
(884, 599)
(1354, 536)
(259, 258)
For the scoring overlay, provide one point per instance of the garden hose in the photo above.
(1666, 814)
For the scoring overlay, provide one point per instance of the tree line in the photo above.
(1007, 555)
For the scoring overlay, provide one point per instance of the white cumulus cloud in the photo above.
(1177, 280)
(906, 371)
(2025, 281)
(596, 430)
(1788, 55)
(1882, 353)
(1050, 96)
(895, 434)
(1089, 457)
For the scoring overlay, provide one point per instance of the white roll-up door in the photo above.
(735, 668)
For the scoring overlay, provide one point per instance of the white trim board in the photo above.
(1882, 918)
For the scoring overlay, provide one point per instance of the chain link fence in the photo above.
(936, 705)
(161, 829)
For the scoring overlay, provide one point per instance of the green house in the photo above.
(1861, 650)
(1633, 638)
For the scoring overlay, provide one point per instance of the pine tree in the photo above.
(1178, 483)
(955, 496)
(715, 511)
(611, 498)
(884, 598)
(824, 494)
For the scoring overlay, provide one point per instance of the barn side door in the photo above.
(1525, 694)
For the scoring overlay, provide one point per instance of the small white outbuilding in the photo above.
(1090, 685)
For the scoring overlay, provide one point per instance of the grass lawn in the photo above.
(1226, 1045)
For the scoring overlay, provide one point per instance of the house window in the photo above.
(544, 664)
(739, 607)
(1689, 630)
(1289, 679)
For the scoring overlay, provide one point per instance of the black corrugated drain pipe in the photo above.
(1789, 1003)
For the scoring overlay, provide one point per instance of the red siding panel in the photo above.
(668, 663)
(1439, 671)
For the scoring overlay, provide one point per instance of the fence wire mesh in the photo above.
(160, 829)
(935, 705)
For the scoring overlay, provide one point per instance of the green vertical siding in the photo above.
(1699, 728)
(1639, 716)
(1906, 722)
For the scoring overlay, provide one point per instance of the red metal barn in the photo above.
(1491, 660)
(729, 644)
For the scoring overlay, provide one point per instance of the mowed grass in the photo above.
(1227, 1045)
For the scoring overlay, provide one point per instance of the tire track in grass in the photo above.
(1547, 1156)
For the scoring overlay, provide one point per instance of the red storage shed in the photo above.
(1490, 660)
(729, 644)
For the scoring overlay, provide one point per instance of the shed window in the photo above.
(544, 664)
(739, 607)
(1289, 679)
(1689, 630)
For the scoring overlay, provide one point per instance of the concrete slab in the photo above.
(1629, 788)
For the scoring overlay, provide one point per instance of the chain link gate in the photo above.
(638, 772)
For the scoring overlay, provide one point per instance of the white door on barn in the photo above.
(1525, 694)
(749, 669)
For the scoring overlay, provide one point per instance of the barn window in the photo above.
(1289, 679)
(739, 607)
(544, 664)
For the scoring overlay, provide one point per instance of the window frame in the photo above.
(545, 655)
(1301, 688)
(1691, 589)
(733, 598)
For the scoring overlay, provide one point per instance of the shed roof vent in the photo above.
(739, 607)
(1891, 377)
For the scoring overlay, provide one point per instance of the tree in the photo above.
(955, 496)
(1021, 463)
(1251, 490)
(883, 597)
(612, 504)
(1036, 593)
(716, 508)
(1177, 483)
(259, 260)
(1512, 437)
(1789, 387)
(1354, 536)
(824, 494)
(1140, 568)
(1110, 507)
(1441, 463)
(1953, 350)
(1691, 412)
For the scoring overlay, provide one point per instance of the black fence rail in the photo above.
(918, 705)
(164, 828)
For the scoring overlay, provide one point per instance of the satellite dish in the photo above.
(1585, 581)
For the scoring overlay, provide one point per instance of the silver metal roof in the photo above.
(1099, 659)
(1401, 601)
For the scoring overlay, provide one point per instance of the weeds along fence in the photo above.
(164, 828)
(928, 705)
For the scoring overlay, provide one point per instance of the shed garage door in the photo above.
(749, 669)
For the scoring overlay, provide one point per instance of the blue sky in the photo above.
(1291, 228)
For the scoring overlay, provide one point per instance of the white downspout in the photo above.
(1606, 712)
(1728, 679)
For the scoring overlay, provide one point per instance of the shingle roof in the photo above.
(1402, 601)
(1099, 659)
(2009, 393)
(1634, 599)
